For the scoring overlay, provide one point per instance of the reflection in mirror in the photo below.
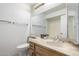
(48, 19)
(72, 9)
(57, 22)
(54, 19)
(53, 26)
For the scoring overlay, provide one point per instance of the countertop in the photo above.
(66, 47)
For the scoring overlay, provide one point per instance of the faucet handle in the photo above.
(62, 38)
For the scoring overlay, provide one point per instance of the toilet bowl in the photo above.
(22, 50)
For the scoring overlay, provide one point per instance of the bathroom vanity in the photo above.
(41, 47)
(39, 50)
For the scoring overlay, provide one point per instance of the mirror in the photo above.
(54, 19)
(53, 26)
(57, 21)
(72, 9)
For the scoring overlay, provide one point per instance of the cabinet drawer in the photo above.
(46, 52)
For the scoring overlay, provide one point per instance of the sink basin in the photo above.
(58, 44)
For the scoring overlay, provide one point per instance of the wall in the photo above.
(75, 8)
(63, 23)
(12, 35)
(77, 22)
(53, 26)
(38, 25)
(56, 13)
(71, 27)
(57, 25)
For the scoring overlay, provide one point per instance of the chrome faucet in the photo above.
(59, 37)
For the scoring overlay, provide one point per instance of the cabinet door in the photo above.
(37, 54)
(31, 49)
(42, 51)
(31, 52)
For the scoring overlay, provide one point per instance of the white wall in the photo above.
(71, 27)
(12, 35)
(38, 24)
(73, 9)
(38, 20)
(63, 25)
(54, 26)
(77, 23)
(16, 12)
(56, 13)
(57, 25)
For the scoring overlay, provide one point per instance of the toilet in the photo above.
(22, 50)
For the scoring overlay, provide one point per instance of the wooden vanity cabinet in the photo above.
(32, 49)
(38, 50)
